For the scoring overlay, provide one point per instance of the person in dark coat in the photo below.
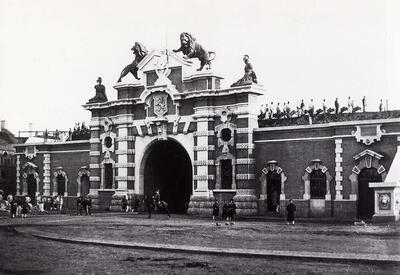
(148, 201)
(88, 205)
(290, 208)
(215, 212)
(225, 214)
(336, 106)
(124, 204)
(231, 210)
(25, 207)
(13, 208)
(79, 205)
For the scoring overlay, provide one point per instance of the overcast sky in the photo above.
(51, 52)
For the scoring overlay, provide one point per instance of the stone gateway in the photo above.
(174, 129)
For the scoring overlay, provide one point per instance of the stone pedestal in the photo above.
(387, 201)
(246, 202)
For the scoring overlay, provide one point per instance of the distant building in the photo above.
(7, 160)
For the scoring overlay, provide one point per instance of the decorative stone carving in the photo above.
(249, 75)
(191, 49)
(31, 152)
(107, 124)
(100, 93)
(368, 134)
(140, 52)
(160, 104)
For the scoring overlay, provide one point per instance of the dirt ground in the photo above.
(28, 255)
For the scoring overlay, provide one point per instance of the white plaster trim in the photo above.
(50, 144)
(204, 177)
(203, 162)
(94, 166)
(244, 130)
(204, 148)
(245, 146)
(94, 178)
(125, 138)
(94, 153)
(204, 133)
(246, 161)
(125, 152)
(124, 178)
(124, 165)
(327, 125)
(245, 176)
(94, 140)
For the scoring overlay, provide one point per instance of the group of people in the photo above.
(278, 111)
(84, 205)
(80, 132)
(132, 207)
(49, 204)
(17, 206)
(228, 212)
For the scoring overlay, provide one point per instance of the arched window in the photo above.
(317, 184)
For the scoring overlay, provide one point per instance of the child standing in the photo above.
(25, 207)
(232, 211)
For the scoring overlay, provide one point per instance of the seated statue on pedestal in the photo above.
(140, 52)
(249, 75)
(100, 93)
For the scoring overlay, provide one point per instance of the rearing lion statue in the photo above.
(191, 49)
(140, 52)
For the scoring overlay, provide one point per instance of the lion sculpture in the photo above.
(191, 49)
(140, 52)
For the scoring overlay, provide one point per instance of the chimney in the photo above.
(3, 125)
(30, 129)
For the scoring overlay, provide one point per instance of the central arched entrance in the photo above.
(168, 168)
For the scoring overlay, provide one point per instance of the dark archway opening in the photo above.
(273, 190)
(365, 206)
(32, 188)
(84, 185)
(60, 185)
(169, 169)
